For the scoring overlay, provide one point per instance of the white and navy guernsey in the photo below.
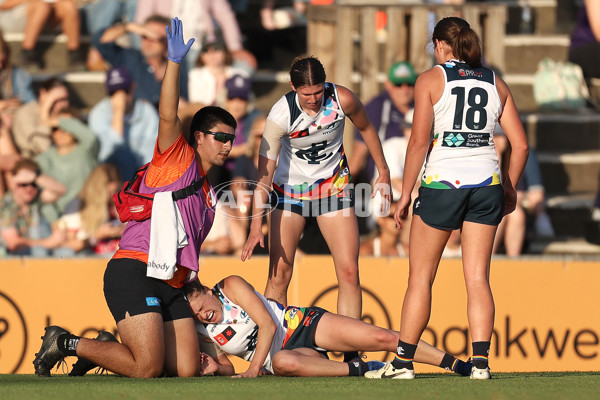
(237, 333)
(312, 163)
(462, 153)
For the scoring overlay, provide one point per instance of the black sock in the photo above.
(404, 356)
(481, 352)
(350, 355)
(357, 367)
(448, 362)
(67, 344)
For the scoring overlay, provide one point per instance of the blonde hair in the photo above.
(96, 198)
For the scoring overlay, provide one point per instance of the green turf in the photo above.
(515, 386)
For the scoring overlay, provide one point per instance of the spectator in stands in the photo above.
(98, 15)
(214, 67)
(24, 230)
(244, 177)
(531, 201)
(239, 104)
(146, 65)
(9, 155)
(90, 220)
(40, 13)
(15, 89)
(386, 241)
(386, 111)
(585, 39)
(273, 17)
(72, 156)
(198, 17)
(13, 15)
(32, 122)
(218, 241)
(126, 127)
(15, 82)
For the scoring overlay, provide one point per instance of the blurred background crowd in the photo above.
(60, 164)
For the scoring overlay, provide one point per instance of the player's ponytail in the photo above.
(465, 43)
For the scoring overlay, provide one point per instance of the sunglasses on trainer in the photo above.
(222, 137)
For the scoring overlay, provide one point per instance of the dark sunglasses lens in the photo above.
(224, 137)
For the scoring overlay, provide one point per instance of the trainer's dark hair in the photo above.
(206, 118)
(464, 41)
(307, 71)
(194, 287)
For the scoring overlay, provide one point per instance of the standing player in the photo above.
(461, 187)
(304, 130)
(152, 315)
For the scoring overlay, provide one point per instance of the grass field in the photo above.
(514, 386)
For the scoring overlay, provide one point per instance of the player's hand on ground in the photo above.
(208, 365)
(250, 373)
(176, 47)
(255, 237)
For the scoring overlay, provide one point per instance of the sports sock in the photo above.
(404, 356)
(448, 362)
(452, 363)
(67, 344)
(357, 367)
(481, 351)
(350, 355)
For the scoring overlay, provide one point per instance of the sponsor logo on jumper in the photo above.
(152, 301)
(465, 139)
(225, 336)
(468, 73)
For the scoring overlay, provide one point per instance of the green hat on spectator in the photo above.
(402, 72)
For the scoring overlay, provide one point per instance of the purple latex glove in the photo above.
(176, 48)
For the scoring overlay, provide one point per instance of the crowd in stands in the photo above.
(59, 167)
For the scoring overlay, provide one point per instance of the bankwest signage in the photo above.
(546, 310)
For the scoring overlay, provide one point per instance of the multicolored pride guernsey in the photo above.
(312, 163)
(462, 153)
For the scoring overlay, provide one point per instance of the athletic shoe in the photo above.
(481, 373)
(374, 365)
(389, 372)
(83, 365)
(49, 353)
(464, 368)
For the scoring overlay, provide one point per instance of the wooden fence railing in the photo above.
(357, 40)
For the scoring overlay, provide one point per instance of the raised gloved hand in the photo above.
(176, 48)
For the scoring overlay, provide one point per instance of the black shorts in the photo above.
(313, 208)
(127, 289)
(304, 334)
(447, 208)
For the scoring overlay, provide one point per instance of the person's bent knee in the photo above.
(385, 339)
(148, 371)
(285, 363)
(348, 276)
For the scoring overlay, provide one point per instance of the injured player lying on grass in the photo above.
(232, 318)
